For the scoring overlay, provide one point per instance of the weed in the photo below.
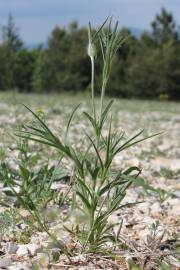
(33, 186)
(2, 153)
(165, 172)
(24, 235)
(165, 266)
(98, 191)
(154, 239)
(7, 222)
(162, 194)
(32, 189)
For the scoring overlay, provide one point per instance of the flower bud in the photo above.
(91, 50)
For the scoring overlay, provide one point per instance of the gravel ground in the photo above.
(159, 159)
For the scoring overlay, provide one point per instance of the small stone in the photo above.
(58, 186)
(134, 162)
(177, 186)
(113, 219)
(174, 261)
(155, 208)
(159, 163)
(165, 144)
(24, 213)
(147, 220)
(177, 194)
(18, 267)
(33, 249)
(175, 164)
(79, 258)
(175, 209)
(172, 164)
(5, 263)
(144, 207)
(11, 248)
(22, 250)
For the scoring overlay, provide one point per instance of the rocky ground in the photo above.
(150, 229)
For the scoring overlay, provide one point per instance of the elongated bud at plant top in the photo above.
(91, 50)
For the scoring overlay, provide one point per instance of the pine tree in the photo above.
(10, 35)
(164, 27)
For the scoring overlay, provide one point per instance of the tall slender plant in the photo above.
(98, 190)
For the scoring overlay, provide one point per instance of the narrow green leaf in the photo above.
(70, 120)
(87, 189)
(99, 29)
(144, 139)
(105, 113)
(84, 200)
(92, 121)
(131, 169)
(40, 120)
(96, 150)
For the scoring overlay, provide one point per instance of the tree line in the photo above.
(147, 67)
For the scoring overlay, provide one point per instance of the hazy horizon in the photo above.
(37, 18)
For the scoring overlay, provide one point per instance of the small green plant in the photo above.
(31, 188)
(2, 153)
(165, 172)
(34, 186)
(155, 238)
(168, 173)
(23, 236)
(7, 222)
(165, 266)
(162, 194)
(98, 190)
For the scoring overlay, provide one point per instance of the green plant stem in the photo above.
(93, 220)
(102, 100)
(93, 106)
(88, 237)
(92, 88)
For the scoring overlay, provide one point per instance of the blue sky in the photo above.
(36, 18)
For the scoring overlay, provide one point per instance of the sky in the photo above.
(37, 18)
